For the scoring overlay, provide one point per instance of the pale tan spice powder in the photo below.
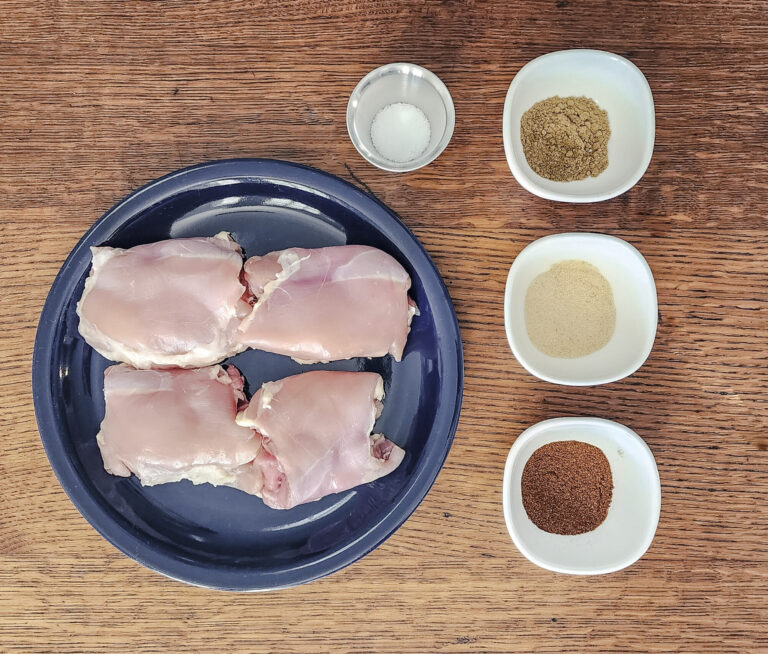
(566, 139)
(569, 310)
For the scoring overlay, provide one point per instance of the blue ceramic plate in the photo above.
(220, 537)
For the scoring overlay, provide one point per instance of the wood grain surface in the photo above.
(97, 98)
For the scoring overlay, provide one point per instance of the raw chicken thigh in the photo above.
(169, 425)
(171, 303)
(316, 435)
(328, 304)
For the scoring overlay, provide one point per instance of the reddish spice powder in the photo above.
(567, 487)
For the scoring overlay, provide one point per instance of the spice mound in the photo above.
(569, 310)
(566, 139)
(400, 132)
(567, 487)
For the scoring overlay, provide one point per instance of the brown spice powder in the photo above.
(566, 139)
(567, 487)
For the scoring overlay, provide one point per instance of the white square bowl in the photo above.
(634, 296)
(633, 515)
(618, 87)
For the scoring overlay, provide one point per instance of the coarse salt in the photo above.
(400, 132)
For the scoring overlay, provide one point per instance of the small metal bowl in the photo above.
(400, 82)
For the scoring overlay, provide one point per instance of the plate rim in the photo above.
(94, 511)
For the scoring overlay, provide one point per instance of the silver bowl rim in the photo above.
(402, 68)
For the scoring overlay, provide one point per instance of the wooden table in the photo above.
(97, 98)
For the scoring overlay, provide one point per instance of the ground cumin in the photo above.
(566, 139)
(567, 487)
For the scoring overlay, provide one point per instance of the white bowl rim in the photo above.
(642, 354)
(530, 184)
(544, 426)
(450, 121)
